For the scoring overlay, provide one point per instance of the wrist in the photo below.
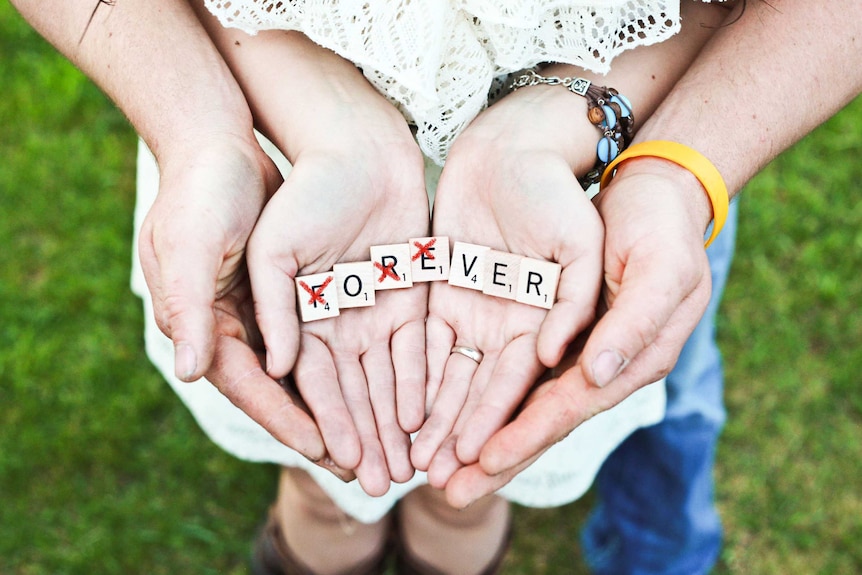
(608, 111)
(660, 176)
(543, 119)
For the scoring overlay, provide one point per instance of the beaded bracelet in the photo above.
(608, 110)
(693, 161)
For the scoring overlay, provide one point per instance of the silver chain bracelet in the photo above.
(608, 110)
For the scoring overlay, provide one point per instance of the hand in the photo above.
(657, 287)
(192, 247)
(362, 373)
(508, 184)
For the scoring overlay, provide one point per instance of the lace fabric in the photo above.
(437, 60)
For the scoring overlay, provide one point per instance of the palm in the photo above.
(509, 206)
(347, 367)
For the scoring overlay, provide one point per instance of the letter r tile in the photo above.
(355, 284)
(468, 265)
(429, 258)
(501, 274)
(537, 282)
(391, 266)
(316, 295)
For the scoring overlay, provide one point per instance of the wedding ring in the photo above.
(470, 352)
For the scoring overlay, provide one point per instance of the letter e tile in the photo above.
(501, 274)
(429, 258)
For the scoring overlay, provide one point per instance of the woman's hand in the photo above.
(509, 184)
(361, 373)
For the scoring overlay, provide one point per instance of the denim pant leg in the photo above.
(655, 512)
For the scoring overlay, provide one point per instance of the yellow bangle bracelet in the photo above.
(693, 161)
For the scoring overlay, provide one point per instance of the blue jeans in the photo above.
(655, 512)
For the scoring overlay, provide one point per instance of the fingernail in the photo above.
(185, 361)
(268, 361)
(607, 366)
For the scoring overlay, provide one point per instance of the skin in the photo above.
(155, 60)
(510, 183)
(357, 181)
(781, 57)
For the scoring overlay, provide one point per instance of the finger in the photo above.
(445, 460)
(237, 374)
(275, 295)
(444, 464)
(515, 372)
(470, 483)
(571, 399)
(439, 339)
(182, 276)
(648, 297)
(445, 411)
(574, 310)
(317, 381)
(381, 389)
(408, 358)
(563, 405)
(371, 471)
(346, 475)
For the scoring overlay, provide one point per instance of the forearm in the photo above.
(644, 75)
(303, 96)
(762, 83)
(154, 59)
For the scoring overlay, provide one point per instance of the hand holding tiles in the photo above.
(509, 184)
(354, 352)
(398, 266)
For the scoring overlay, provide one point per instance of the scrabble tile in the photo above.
(391, 266)
(355, 284)
(468, 265)
(429, 258)
(317, 296)
(537, 282)
(501, 274)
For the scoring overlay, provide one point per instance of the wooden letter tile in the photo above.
(468, 266)
(537, 282)
(391, 266)
(355, 284)
(501, 274)
(317, 296)
(429, 258)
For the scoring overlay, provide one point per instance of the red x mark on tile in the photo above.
(316, 294)
(387, 270)
(424, 250)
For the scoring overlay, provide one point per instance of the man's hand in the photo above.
(657, 284)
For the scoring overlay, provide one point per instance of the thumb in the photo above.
(641, 312)
(181, 276)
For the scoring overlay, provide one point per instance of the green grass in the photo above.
(103, 471)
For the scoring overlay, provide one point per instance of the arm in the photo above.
(759, 85)
(357, 181)
(155, 60)
(510, 183)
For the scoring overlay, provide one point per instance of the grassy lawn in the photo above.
(103, 471)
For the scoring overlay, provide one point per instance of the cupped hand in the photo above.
(192, 248)
(657, 285)
(361, 373)
(509, 184)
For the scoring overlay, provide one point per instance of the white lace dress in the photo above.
(437, 61)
